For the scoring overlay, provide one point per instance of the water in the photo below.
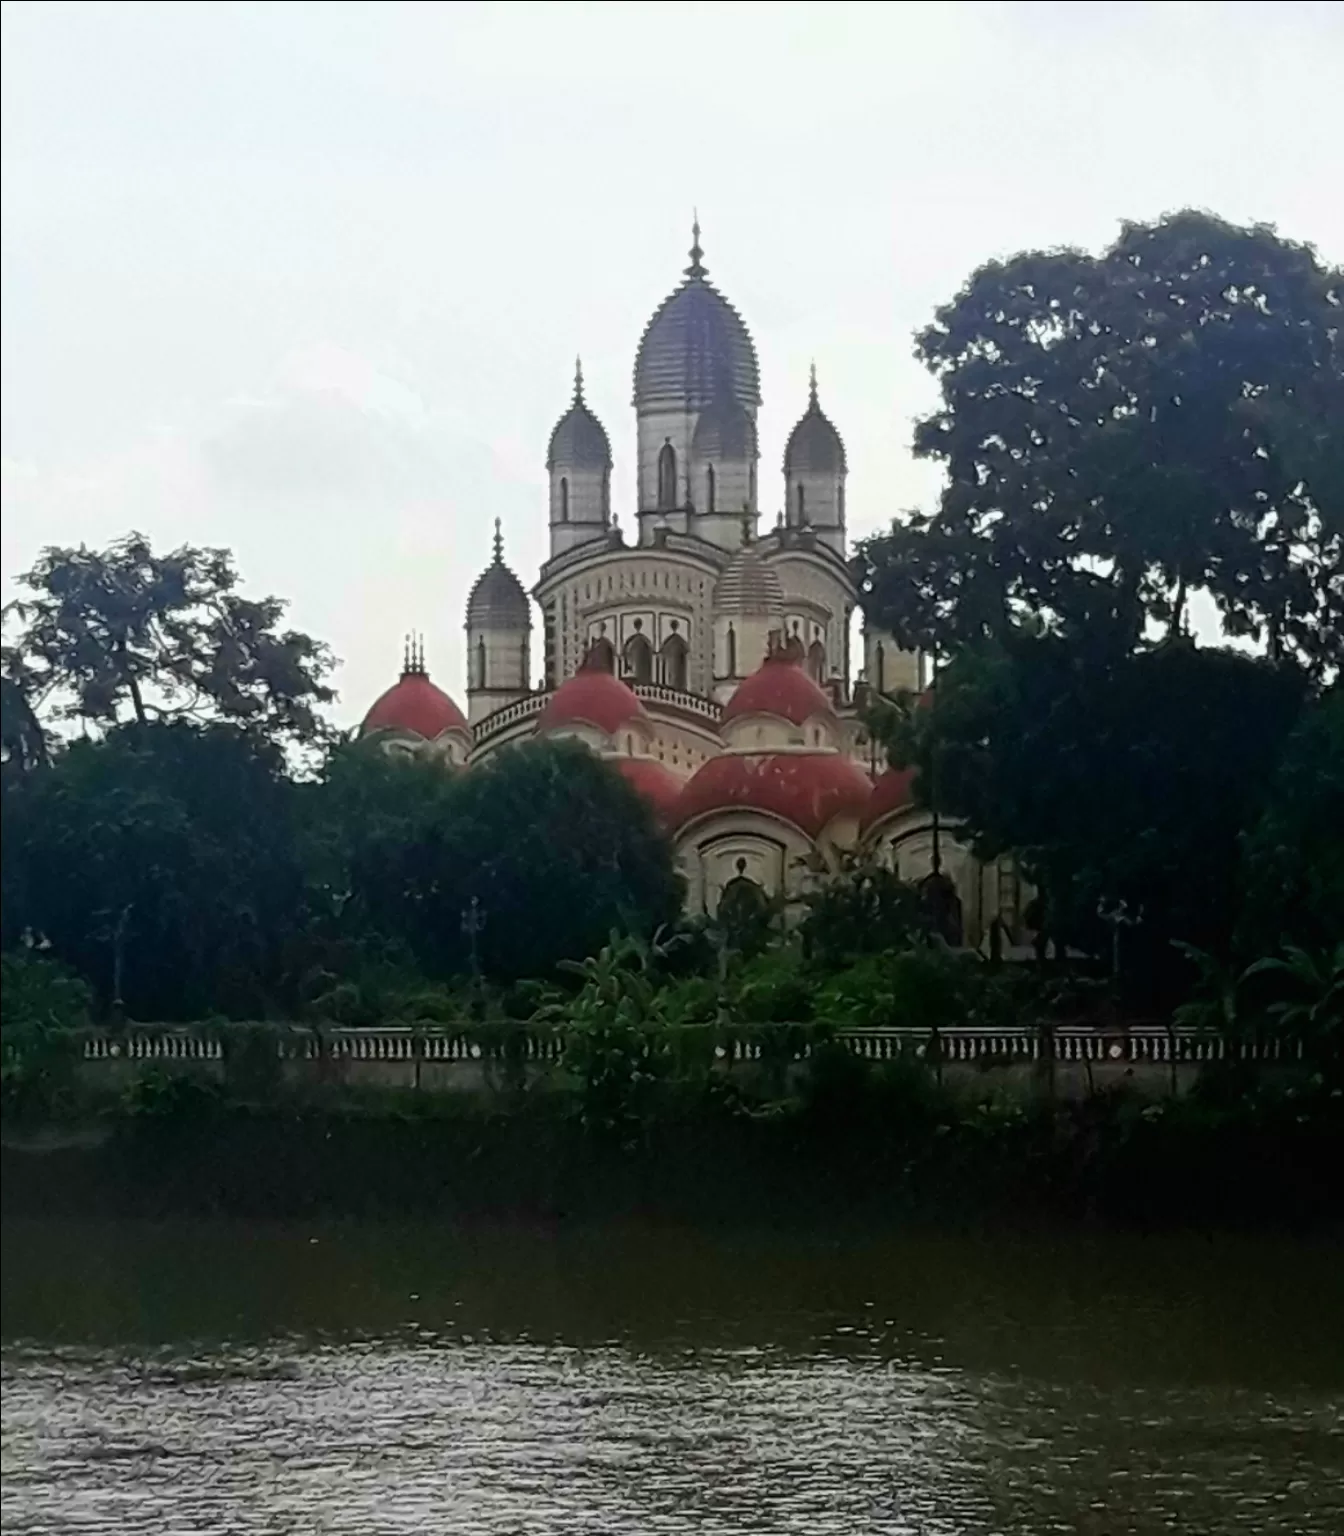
(215, 1377)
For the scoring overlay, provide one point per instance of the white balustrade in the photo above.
(1068, 1044)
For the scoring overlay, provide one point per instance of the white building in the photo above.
(708, 659)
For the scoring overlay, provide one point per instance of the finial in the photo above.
(406, 655)
(812, 384)
(578, 381)
(696, 268)
(420, 653)
(499, 543)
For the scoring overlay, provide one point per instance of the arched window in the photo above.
(639, 659)
(840, 503)
(732, 651)
(802, 507)
(667, 478)
(709, 487)
(816, 661)
(673, 658)
(601, 655)
(880, 657)
(564, 499)
(480, 663)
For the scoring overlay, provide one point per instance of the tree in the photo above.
(23, 743)
(1122, 431)
(105, 637)
(161, 864)
(1130, 781)
(865, 909)
(552, 845)
(1293, 857)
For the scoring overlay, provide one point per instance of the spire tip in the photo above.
(696, 268)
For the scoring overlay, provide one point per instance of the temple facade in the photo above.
(708, 659)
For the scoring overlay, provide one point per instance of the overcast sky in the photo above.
(308, 280)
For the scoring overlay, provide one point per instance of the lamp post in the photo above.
(473, 922)
(1117, 915)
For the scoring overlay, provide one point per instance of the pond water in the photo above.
(223, 1377)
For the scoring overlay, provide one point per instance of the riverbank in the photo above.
(861, 1155)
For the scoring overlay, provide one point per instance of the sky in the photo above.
(308, 280)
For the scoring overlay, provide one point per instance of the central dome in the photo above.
(696, 349)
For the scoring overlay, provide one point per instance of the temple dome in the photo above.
(807, 789)
(414, 706)
(593, 696)
(696, 349)
(814, 446)
(748, 587)
(580, 440)
(893, 791)
(779, 687)
(498, 600)
(653, 780)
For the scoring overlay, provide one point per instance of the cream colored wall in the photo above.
(752, 636)
(589, 503)
(617, 586)
(507, 669)
(708, 851)
(452, 748)
(822, 505)
(817, 597)
(652, 430)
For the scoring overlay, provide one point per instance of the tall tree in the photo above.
(1124, 430)
(530, 859)
(109, 636)
(161, 863)
(1131, 781)
(1293, 857)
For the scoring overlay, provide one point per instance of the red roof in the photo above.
(658, 784)
(893, 790)
(779, 686)
(809, 789)
(416, 705)
(592, 697)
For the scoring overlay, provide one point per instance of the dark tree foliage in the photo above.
(865, 909)
(1293, 857)
(109, 636)
(1131, 781)
(23, 742)
(162, 864)
(1121, 431)
(553, 845)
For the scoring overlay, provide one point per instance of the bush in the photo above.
(42, 1006)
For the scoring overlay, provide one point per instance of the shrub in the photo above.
(42, 1005)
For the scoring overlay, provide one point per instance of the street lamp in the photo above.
(1117, 915)
(473, 922)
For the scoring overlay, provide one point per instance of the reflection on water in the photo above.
(214, 1377)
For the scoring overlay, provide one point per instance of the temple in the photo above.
(706, 659)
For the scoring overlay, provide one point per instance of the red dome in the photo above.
(810, 789)
(658, 784)
(779, 686)
(592, 697)
(416, 705)
(893, 791)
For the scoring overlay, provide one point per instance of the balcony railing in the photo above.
(1066, 1044)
